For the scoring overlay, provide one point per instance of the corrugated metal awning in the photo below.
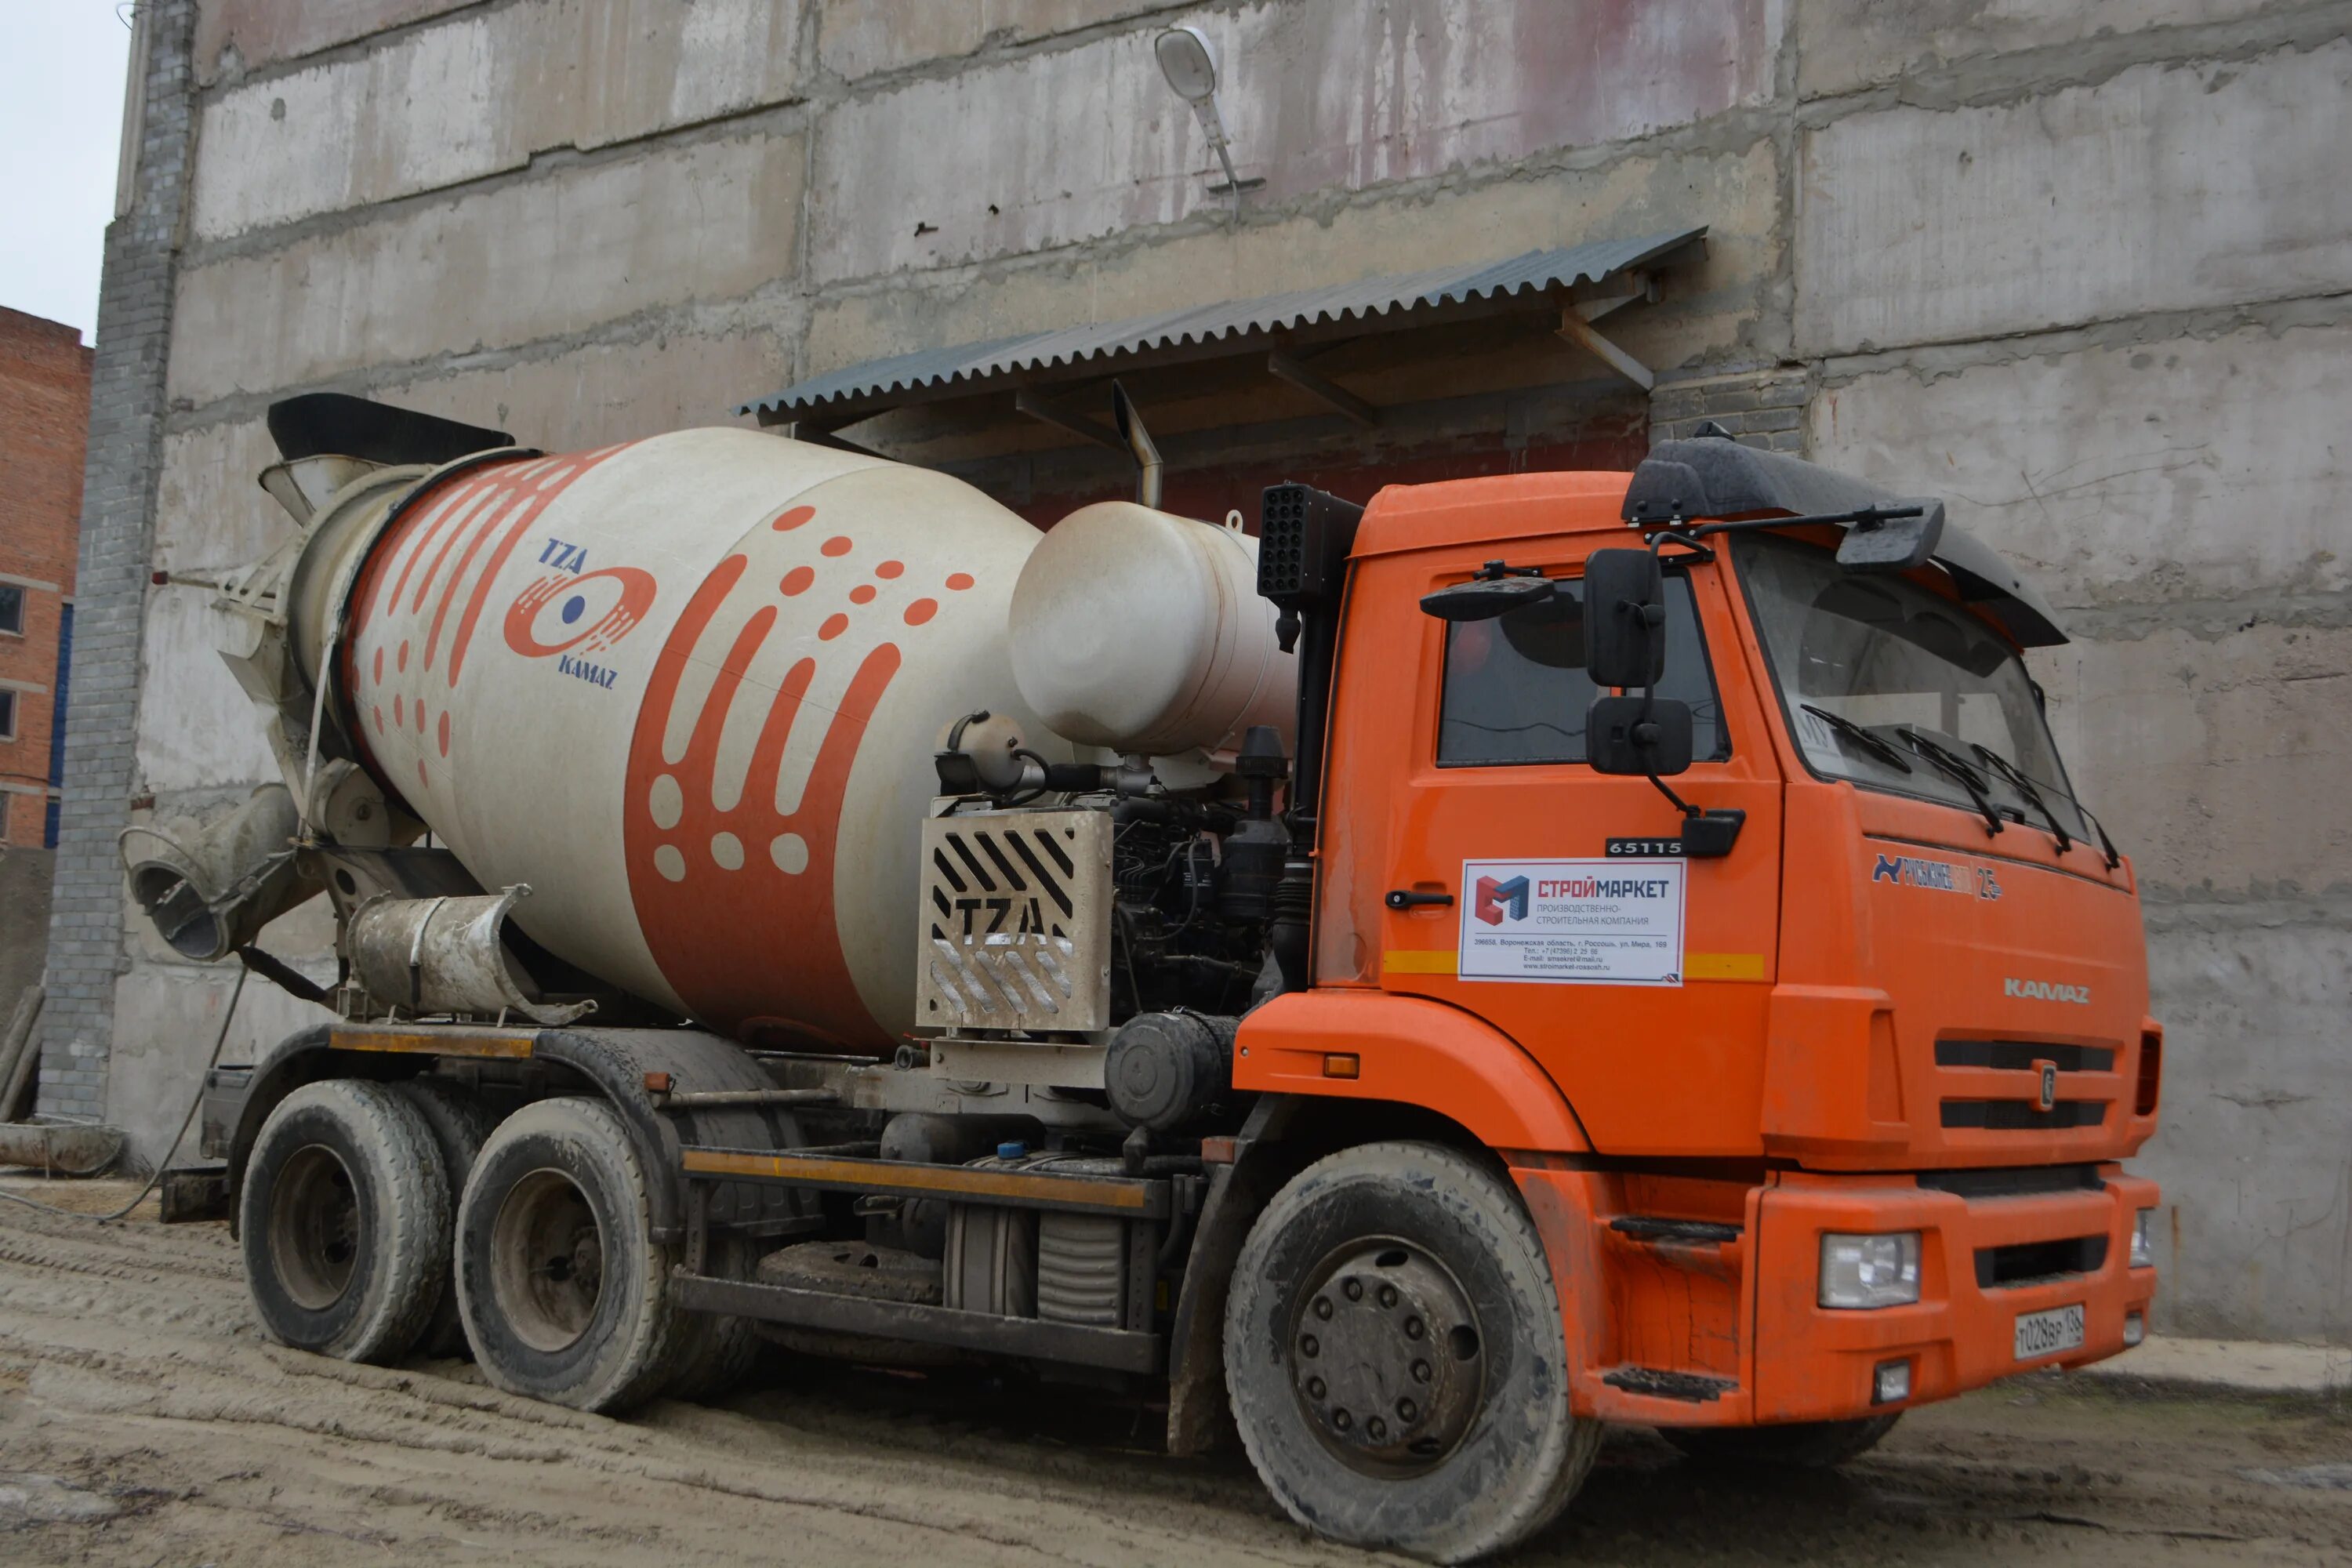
(1237, 326)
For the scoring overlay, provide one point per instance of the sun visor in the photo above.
(1709, 476)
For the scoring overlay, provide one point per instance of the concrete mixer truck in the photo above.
(1413, 982)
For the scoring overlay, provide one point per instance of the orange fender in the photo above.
(1411, 1050)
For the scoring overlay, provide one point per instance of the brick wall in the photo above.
(44, 419)
(126, 415)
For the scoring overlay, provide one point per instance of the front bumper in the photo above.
(1814, 1363)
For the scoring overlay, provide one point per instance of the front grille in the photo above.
(2019, 1056)
(2033, 1262)
(2023, 1116)
(2021, 1182)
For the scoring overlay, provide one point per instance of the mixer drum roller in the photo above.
(687, 688)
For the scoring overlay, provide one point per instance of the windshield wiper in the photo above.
(2106, 845)
(1959, 771)
(1876, 745)
(2025, 791)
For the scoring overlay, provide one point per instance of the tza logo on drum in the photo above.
(575, 612)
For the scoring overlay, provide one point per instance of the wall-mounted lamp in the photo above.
(1190, 68)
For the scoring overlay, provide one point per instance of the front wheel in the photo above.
(1396, 1357)
(1810, 1445)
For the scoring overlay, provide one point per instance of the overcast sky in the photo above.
(61, 70)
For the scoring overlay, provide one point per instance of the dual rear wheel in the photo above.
(377, 1217)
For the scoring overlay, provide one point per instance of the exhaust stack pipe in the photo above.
(1138, 441)
(212, 894)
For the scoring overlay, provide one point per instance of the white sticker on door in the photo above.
(1591, 922)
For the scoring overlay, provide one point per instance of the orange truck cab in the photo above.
(1814, 1055)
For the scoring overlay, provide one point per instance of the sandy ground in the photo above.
(143, 1420)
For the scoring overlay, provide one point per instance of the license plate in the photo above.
(2046, 1333)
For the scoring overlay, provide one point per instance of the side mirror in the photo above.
(1893, 543)
(1624, 618)
(1485, 598)
(1620, 738)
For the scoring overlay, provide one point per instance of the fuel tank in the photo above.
(687, 689)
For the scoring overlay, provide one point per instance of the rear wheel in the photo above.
(564, 1292)
(1396, 1357)
(344, 1221)
(1812, 1445)
(460, 1125)
(715, 1353)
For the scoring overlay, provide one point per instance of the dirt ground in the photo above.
(143, 1420)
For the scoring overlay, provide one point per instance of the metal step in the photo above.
(1691, 1387)
(1645, 1228)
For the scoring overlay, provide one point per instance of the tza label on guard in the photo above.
(1592, 922)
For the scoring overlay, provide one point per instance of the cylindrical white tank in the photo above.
(687, 689)
(1143, 632)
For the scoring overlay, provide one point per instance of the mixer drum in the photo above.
(687, 689)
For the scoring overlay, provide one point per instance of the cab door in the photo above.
(1551, 900)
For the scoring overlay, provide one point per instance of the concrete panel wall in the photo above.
(480, 95)
(859, 39)
(167, 1017)
(1851, 44)
(2136, 472)
(1058, 147)
(2166, 187)
(1721, 304)
(234, 37)
(711, 220)
(2252, 1152)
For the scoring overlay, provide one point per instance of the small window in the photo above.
(1516, 690)
(12, 608)
(7, 715)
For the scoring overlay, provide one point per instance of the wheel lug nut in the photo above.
(1388, 1295)
(1376, 1428)
(1413, 1328)
(1421, 1372)
(1407, 1410)
(1342, 1420)
(1323, 1306)
(1308, 1345)
(1355, 1289)
(1315, 1388)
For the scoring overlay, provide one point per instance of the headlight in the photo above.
(1861, 1271)
(2143, 1252)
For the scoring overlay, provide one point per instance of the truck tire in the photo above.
(343, 1219)
(714, 1351)
(1810, 1445)
(1396, 1358)
(564, 1292)
(460, 1125)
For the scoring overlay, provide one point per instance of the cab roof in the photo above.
(1705, 477)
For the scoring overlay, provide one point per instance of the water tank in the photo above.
(1143, 632)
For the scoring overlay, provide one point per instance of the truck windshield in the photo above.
(1898, 688)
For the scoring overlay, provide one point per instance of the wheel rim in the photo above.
(314, 1228)
(1386, 1357)
(547, 1260)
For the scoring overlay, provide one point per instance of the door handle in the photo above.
(1406, 898)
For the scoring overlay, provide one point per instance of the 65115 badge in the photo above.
(1591, 922)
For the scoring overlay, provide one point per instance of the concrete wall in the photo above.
(2080, 267)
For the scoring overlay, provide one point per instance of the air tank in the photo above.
(687, 689)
